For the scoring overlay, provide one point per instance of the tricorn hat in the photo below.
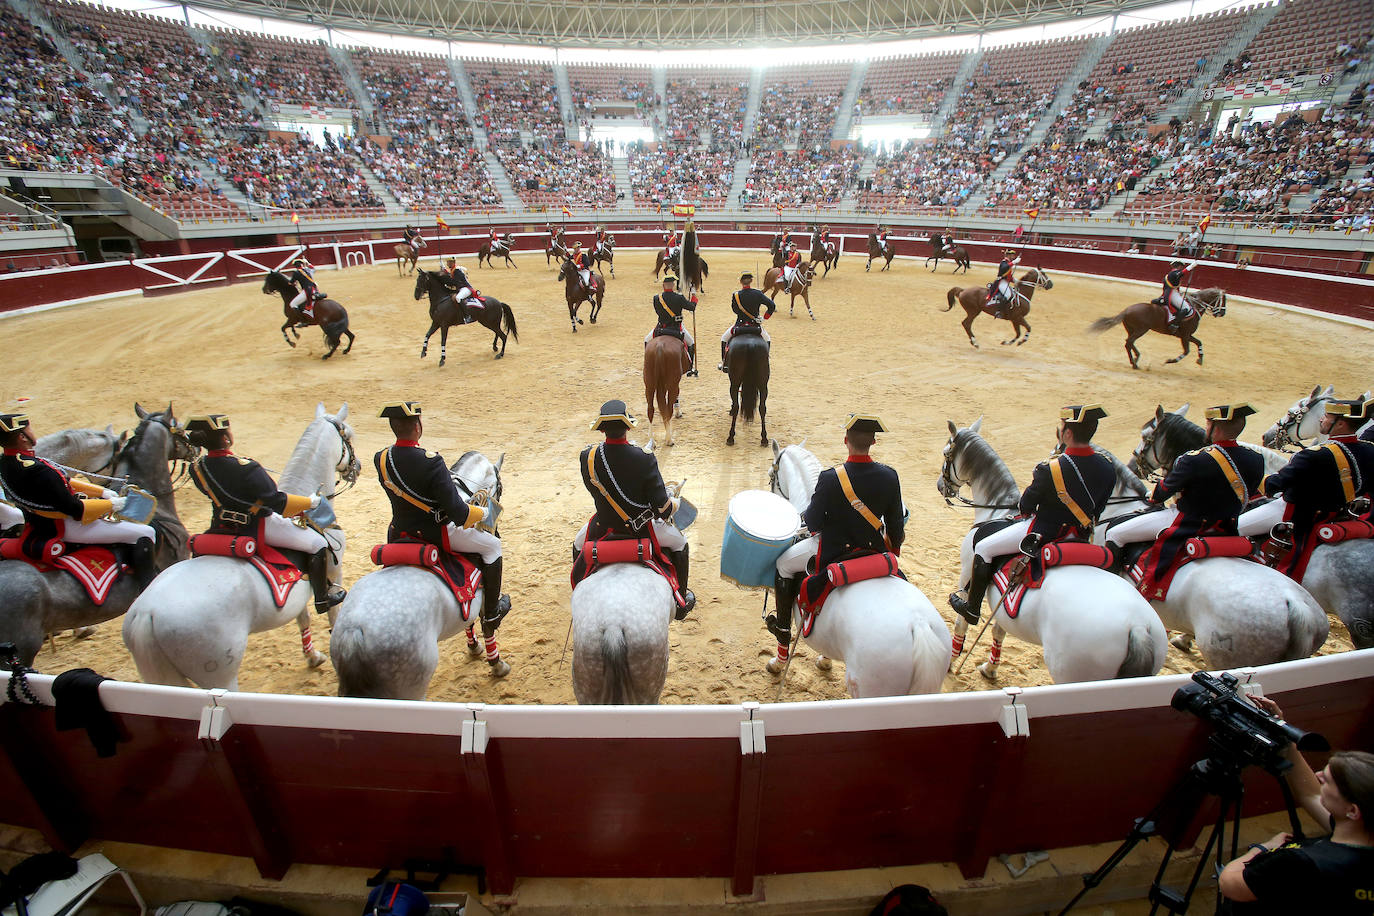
(1081, 413)
(1357, 409)
(613, 410)
(746, 277)
(209, 423)
(13, 422)
(1229, 412)
(400, 410)
(864, 423)
(669, 278)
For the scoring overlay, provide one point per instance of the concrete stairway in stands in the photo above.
(225, 186)
(459, 75)
(1251, 27)
(565, 101)
(620, 167)
(379, 188)
(751, 108)
(501, 181)
(967, 67)
(866, 170)
(659, 118)
(255, 106)
(844, 118)
(741, 175)
(354, 81)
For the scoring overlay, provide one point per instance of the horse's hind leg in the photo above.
(349, 335)
(1199, 349)
(1186, 351)
(1132, 351)
(313, 657)
(763, 414)
(734, 411)
(289, 341)
(989, 668)
(968, 328)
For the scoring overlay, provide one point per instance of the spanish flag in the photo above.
(439, 221)
(295, 217)
(566, 211)
(684, 209)
(1206, 221)
(1032, 212)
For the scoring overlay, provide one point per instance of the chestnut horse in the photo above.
(408, 253)
(772, 285)
(575, 294)
(877, 251)
(504, 245)
(974, 299)
(1144, 317)
(826, 253)
(665, 360)
(958, 253)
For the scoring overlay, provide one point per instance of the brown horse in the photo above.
(974, 299)
(331, 317)
(665, 360)
(605, 252)
(575, 294)
(958, 253)
(505, 244)
(672, 265)
(772, 285)
(1143, 317)
(877, 251)
(555, 248)
(826, 253)
(408, 253)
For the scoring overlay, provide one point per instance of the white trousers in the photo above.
(284, 533)
(418, 242)
(10, 516)
(301, 298)
(586, 276)
(669, 538)
(788, 274)
(103, 531)
(1145, 527)
(1175, 299)
(1258, 521)
(686, 335)
(794, 559)
(1003, 543)
(1004, 290)
(730, 332)
(672, 252)
(471, 540)
(462, 294)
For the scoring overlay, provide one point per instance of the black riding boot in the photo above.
(144, 556)
(495, 606)
(724, 351)
(680, 564)
(692, 354)
(785, 589)
(970, 607)
(327, 594)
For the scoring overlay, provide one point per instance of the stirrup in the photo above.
(959, 602)
(498, 613)
(689, 602)
(335, 596)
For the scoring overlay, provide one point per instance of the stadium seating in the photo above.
(282, 70)
(700, 98)
(561, 174)
(907, 85)
(516, 96)
(804, 178)
(414, 93)
(799, 104)
(1305, 37)
(665, 177)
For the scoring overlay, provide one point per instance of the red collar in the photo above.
(1225, 442)
(858, 459)
(408, 443)
(219, 453)
(1352, 438)
(617, 440)
(26, 452)
(1079, 451)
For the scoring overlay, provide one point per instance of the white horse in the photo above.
(620, 619)
(1091, 624)
(385, 642)
(1240, 612)
(192, 623)
(1301, 425)
(890, 637)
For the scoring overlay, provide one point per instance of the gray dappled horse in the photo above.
(33, 603)
(387, 633)
(191, 625)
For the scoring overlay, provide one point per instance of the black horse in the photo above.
(747, 364)
(694, 269)
(957, 252)
(329, 315)
(444, 312)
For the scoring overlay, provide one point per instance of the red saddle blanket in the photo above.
(844, 572)
(1059, 553)
(643, 551)
(461, 575)
(94, 566)
(276, 568)
(1155, 586)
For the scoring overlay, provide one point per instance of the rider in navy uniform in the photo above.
(669, 307)
(1213, 484)
(426, 506)
(1323, 481)
(746, 304)
(49, 502)
(302, 276)
(1086, 480)
(630, 475)
(838, 528)
(1175, 305)
(242, 493)
(1001, 289)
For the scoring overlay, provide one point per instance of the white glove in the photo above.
(677, 504)
(315, 501)
(1192, 264)
(117, 504)
(108, 494)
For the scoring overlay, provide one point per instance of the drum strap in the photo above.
(1057, 473)
(635, 523)
(859, 506)
(1228, 467)
(1346, 470)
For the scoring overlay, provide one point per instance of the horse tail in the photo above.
(1302, 642)
(1140, 654)
(509, 318)
(952, 297)
(929, 659)
(1103, 324)
(335, 329)
(357, 678)
(615, 662)
(749, 394)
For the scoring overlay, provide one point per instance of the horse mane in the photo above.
(150, 472)
(981, 459)
(1180, 434)
(304, 457)
(72, 440)
(1127, 483)
(809, 465)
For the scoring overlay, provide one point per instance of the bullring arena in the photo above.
(169, 157)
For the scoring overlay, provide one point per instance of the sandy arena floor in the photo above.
(880, 344)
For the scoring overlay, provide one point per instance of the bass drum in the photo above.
(760, 527)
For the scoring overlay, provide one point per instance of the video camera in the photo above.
(1241, 731)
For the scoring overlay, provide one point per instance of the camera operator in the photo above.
(1332, 875)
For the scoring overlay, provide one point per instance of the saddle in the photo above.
(96, 567)
(667, 330)
(1017, 574)
(459, 572)
(278, 568)
(854, 567)
(616, 548)
(746, 329)
(1154, 584)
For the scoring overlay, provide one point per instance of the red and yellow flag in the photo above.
(1206, 221)
(439, 221)
(566, 211)
(684, 209)
(1032, 212)
(295, 217)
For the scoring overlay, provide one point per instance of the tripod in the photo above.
(1218, 777)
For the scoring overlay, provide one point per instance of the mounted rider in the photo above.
(1175, 304)
(790, 266)
(455, 279)
(602, 245)
(944, 243)
(856, 508)
(669, 307)
(1214, 485)
(302, 277)
(1063, 502)
(883, 244)
(582, 263)
(495, 243)
(672, 244)
(413, 238)
(630, 497)
(784, 239)
(52, 506)
(1328, 482)
(825, 239)
(245, 502)
(746, 304)
(427, 508)
(1003, 288)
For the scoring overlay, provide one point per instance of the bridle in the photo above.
(349, 459)
(180, 473)
(950, 485)
(1147, 461)
(1286, 441)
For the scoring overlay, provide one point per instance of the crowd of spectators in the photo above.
(541, 174)
(919, 97)
(1077, 176)
(936, 173)
(667, 176)
(277, 70)
(805, 178)
(293, 174)
(515, 97)
(803, 115)
(440, 172)
(694, 103)
(414, 95)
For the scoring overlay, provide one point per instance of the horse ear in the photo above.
(777, 452)
(1316, 390)
(109, 429)
(170, 414)
(1330, 390)
(953, 430)
(319, 411)
(343, 413)
(500, 461)
(1183, 411)
(1159, 412)
(139, 411)
(977, 424)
